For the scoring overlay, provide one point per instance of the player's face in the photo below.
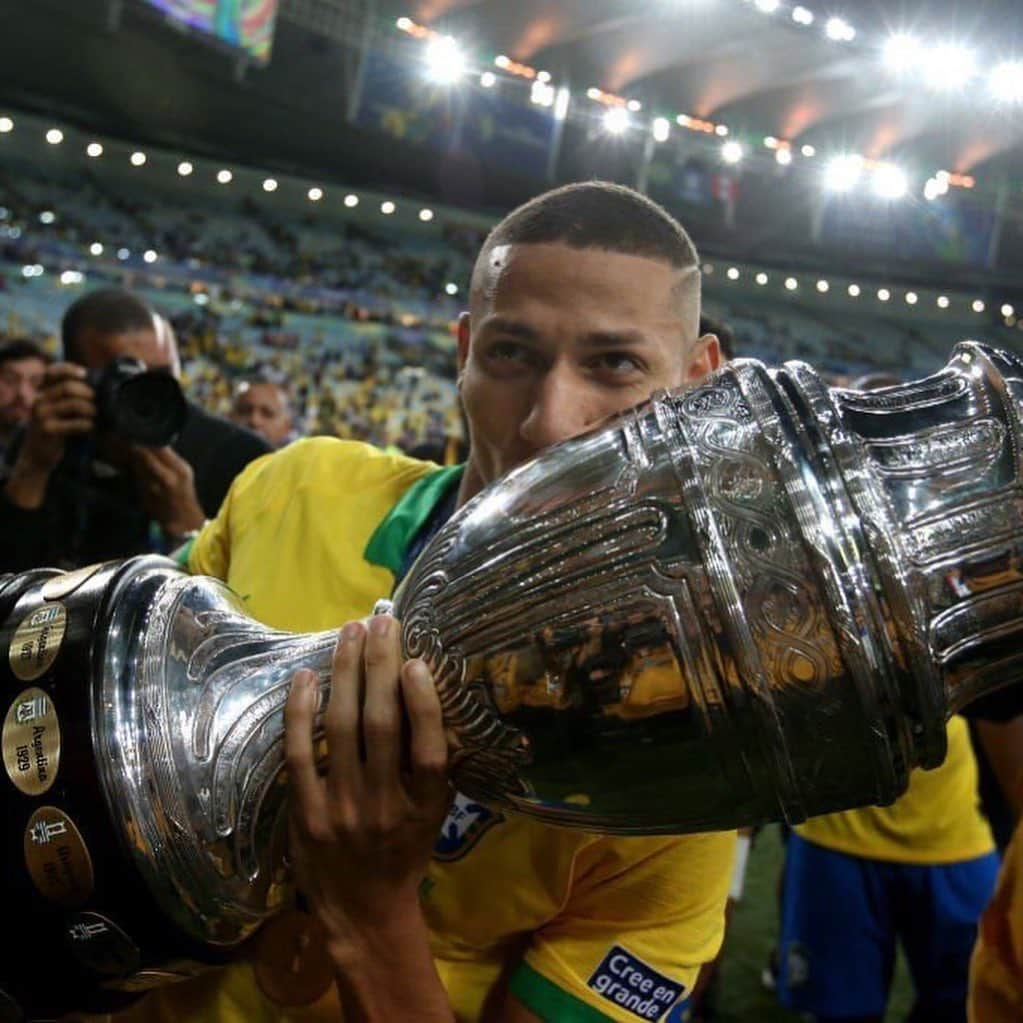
(261, 408)
(560, 338)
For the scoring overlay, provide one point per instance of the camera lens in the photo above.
(150, 409)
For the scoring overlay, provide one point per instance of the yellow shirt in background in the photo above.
(937, 820)
(591, 927)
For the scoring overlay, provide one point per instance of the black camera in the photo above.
(142, 405)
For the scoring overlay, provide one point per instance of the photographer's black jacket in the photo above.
(92, 514)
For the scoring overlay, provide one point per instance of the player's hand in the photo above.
(362, 833)
(65, 407)
(167, 489)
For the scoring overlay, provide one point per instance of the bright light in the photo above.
(802, 16)
(854, 291)
(561, 101)
(949, 67)
(541, 94)
(783, 156)
(978, 305)
(71, 277)
(761, 278)
(387, 207)
(123, 254)
(791, 284)
(1005, 82)
(943, 301)
(451, 288)
(6, 125)
(808, 151)
(842, 172)
(138, 158)
(426, 216)
(767, 6)
(1007, 310)
(488, 79)
(543, 76)
(616, 120)
(96, 249)
(224, 176)
(823, 287)
(445, 62)
(661, 129)
(185, 168)
(721, 130)
(502, 62)
(315, 194)
(890, 182)
(733, 273)
(351, 201)
(731, 152)
(634, 105)
(911, 298)
(32, 270)
(47, 217)
(270, 185)
(55, 136)
(883, 294)
(150, 256)
(93, 149)
(839, 30)
(934, 188)
(902, 52)
(404, 24)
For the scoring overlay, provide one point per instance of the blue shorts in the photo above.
(841, 916)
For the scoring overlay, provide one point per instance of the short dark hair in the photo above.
(108, 311)
(595, 215)
(721, 330)
(22, 348)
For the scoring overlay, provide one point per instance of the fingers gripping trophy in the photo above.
(758, 599)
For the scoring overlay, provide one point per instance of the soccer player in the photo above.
(583, 302)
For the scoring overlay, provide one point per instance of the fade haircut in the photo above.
(597, 215)
(22, 348)
(106, 311)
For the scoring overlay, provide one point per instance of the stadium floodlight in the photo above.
(71, 277)
(889, 181)
(902, 52)
(802, 16)
(978, 305)
(767, 6)
(839, 30)
(55, 136)
(150, 256)
(783, 155)
(351, 201)
(854, 290)
(387, 207)
(185, 168)
(269, 184)
(808, 151)
(404, 24)
(224, 177)
(732, 152)
(823, 287)
(314, 194)
(791, 284)
(842, 172)
(47, 217)
(94, 149)
(445, 61)
(488, 79)
(6, 125)
(721, 130)
(1007, 310)
(123, 254)
(634, 105)
(138, 158)
(451, 288)
(661, 129)
(943, 301)
(733, 273)
(761, 278)
(1005, 82)
(426, 215)
(883, 294)
(948, 67)
(96, 248)
(912, 298)
(616, 120)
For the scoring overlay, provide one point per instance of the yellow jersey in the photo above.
(937, 820)
(586, 927)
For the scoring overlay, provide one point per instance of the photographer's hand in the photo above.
(167, 489)
(64, 408)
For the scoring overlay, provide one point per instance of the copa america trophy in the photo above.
(753, 600)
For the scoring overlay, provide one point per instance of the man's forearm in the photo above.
(388, 974)
(26, 486)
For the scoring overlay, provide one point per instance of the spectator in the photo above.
(22, 364)
(74, 494)
(262, 406)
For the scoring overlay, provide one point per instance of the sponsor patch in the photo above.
(465, 825)
(627, 981)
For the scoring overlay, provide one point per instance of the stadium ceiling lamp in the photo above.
(6, 125)
(942, 301)
(732, 152)
(839, 30)
(315, 194)
(150, 256)
(269, 184)
(351, 201)
(791, 284)
(1005, 82)
(889, 181)
(55, 136)
(802, 16)
(96, 249)
(138, 158)
(883, 294)
(426, 215)
(977, 306)
(733, 273)
(185, 168)
(823, 287)
(445, 61)
(912, 298)
(948, 67)
(387, 207)
(451, 288)
(1007, 310)
(902, 52)
(854, 290)
(761, 278)
(94, 149)
(841, 173)
(224, 176)
(616, 120)
(488, 79)
(661, 129)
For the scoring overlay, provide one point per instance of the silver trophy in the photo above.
(753, 600)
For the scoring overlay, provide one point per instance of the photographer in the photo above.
(78, 487)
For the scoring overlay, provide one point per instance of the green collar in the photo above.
(391, 539)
